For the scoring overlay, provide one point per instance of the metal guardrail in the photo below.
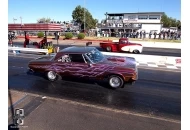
(28, 49)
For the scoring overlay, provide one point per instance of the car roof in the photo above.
(77, 49)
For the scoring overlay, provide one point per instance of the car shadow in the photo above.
(101, 83)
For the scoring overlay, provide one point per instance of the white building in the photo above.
(145, 21)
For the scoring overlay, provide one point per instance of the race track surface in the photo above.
(156, 94)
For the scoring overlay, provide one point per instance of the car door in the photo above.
(123, 45)
(78, 66)
(62, 65)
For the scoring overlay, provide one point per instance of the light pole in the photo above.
(84, 16)
(14, 20)
(21, 20)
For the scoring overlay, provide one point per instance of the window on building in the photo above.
(120, 17)
(143, 17)
(131, 17)
(154, 16)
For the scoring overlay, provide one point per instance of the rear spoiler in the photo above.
(88, 43)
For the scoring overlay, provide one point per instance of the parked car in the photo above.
(87, 62)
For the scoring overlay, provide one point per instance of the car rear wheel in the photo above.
(108, 49)
(52, 76)
(136, 51)
(115, 81)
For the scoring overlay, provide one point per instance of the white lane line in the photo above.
(18, 67)
(142, 62)
(171, 67)
(160, 69)
(151, 65)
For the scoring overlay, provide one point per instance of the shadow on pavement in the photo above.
(102, 83)
(11, 126)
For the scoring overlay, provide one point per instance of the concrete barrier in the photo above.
(150, 58)
(21, 49)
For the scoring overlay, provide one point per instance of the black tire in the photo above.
(52, 76)
(108, 49)
(118, 83)
(136, 51)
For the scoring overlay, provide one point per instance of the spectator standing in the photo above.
(119, 33)
(137, 35)
(140, 34)
(27, 39)
(144, 34)
(164, 34)
(155, 35)
(58, 35)
(150, 35)
(159, 35)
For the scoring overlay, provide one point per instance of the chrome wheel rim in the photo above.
(115, 82)
(51, 75)
(108, 49)
(136, 51)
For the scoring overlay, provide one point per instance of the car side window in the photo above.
(64, 58)
(76, 58)
(123, 42)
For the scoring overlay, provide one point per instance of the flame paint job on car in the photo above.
(122, 66)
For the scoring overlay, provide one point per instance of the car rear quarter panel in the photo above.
(39, 66)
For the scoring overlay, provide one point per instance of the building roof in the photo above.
(35, 27)
(77, 49)
(121, 14)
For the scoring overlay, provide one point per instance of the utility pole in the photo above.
(14, 20)
(84, 16)
(21, 20)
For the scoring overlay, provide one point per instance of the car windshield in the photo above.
(95, 56)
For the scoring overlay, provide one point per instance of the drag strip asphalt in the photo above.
(146, 50)
(156, 93)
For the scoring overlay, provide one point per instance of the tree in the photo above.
(44, 20)
(165, 20)
(96, 20)
(78, 16)
(170, 22)
(178, 24)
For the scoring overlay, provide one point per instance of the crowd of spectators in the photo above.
(171, 35)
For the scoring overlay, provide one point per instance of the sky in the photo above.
(61, 10)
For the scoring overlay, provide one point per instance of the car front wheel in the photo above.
(136, 51)
(52, 76)
(116, 81)
(108, 49)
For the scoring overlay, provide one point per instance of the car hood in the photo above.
(117, 61)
